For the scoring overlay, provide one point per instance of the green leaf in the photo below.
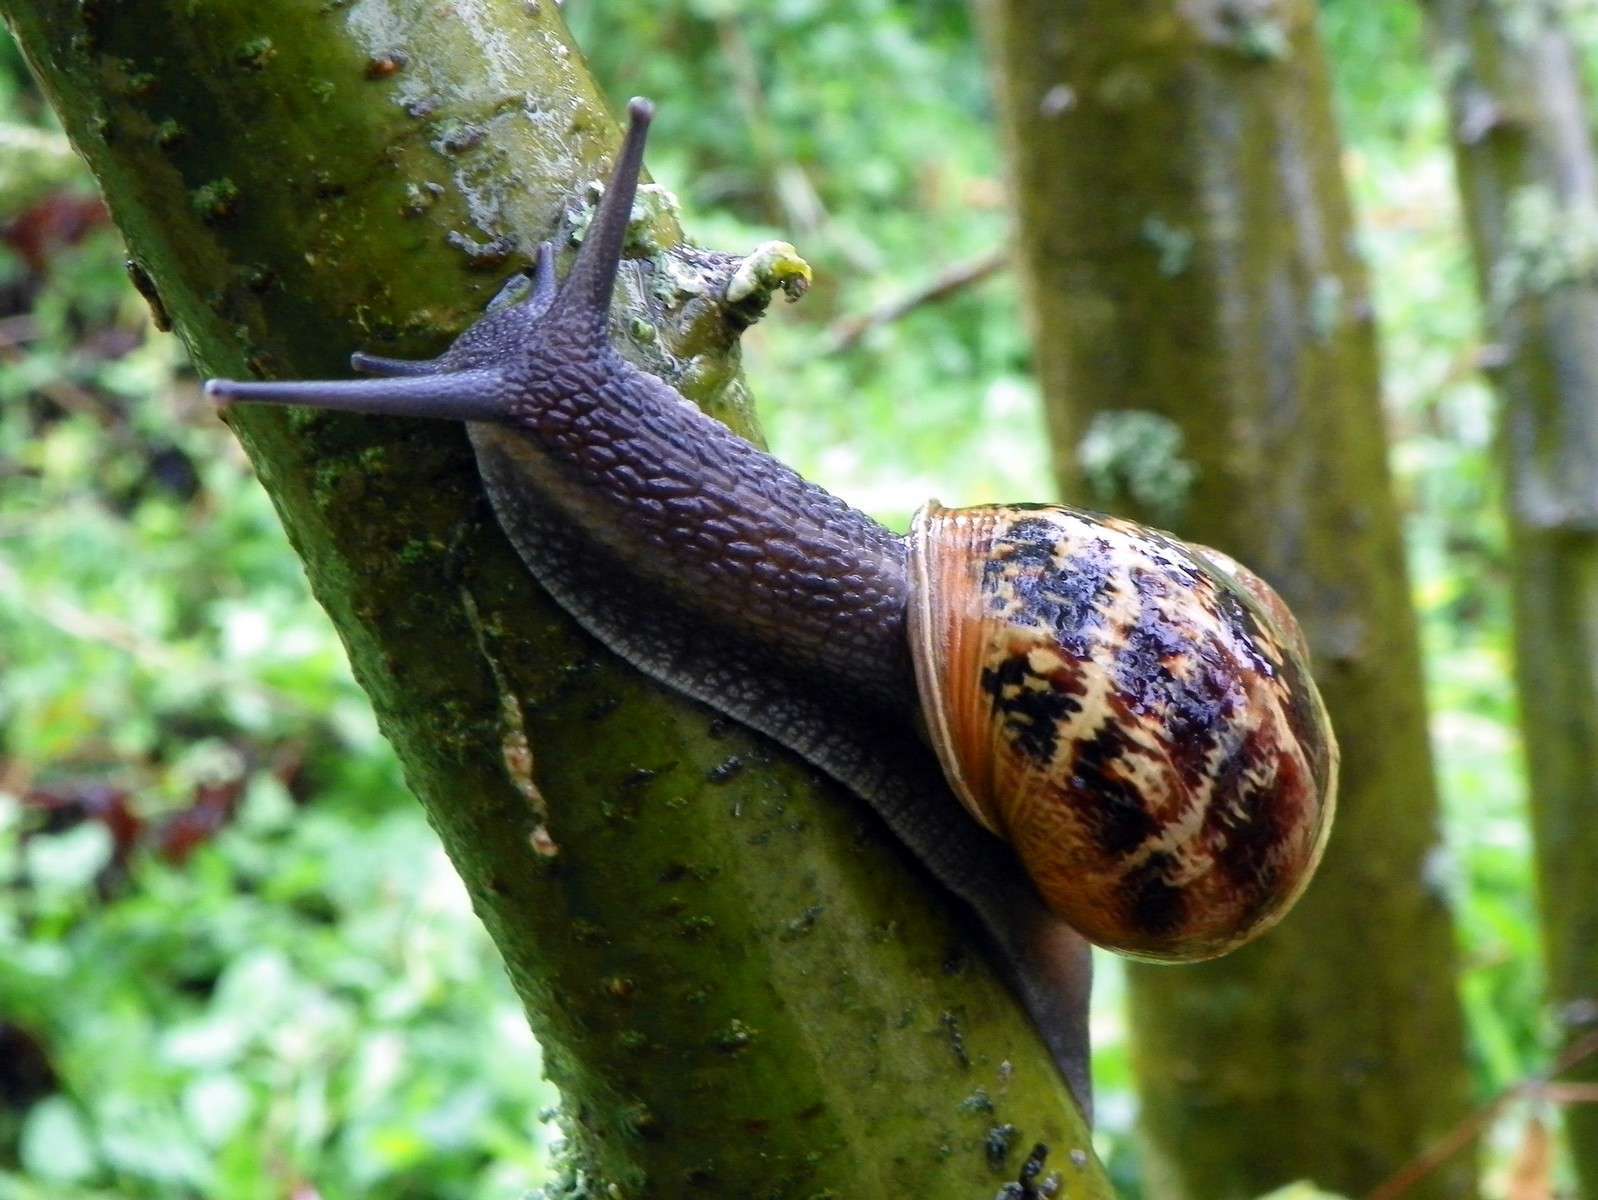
(55, 1143)
(216, 1105)
(69, 861)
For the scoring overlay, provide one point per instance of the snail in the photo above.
(1133, 716)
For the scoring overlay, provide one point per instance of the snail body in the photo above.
(1134, 716)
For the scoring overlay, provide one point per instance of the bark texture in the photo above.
(742, 986)
(1206, 350)
(1529, 179)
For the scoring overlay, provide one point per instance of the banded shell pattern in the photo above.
(1134, 714)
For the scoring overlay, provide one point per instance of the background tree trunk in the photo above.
(1205, 347)
(742, 986)
(1529, 180)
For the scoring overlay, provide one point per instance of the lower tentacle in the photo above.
(391, 368)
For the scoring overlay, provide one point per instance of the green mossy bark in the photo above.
(742, 986)
(1529, 179)
(1206, 352)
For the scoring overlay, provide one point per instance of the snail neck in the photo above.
(686, 506)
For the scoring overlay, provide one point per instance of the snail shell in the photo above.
(1133, 713)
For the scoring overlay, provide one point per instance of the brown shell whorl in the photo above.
(1134, 715)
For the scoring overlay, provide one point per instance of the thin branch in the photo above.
(796, 197)
(154, 657)
(846, 334)
(1571, 1093)
(18, 330)
(1468, 1130)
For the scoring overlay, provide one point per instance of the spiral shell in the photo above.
(1133, 713)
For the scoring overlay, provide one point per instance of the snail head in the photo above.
(476, 378)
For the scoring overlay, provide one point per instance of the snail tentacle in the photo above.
(453, 395)
(581, 311)
(376, 364)
(544, 281)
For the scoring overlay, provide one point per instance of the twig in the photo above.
(1571, 1093)
(846, 334)
(789, 185)
(69, 397)
(18, 330)
(1418, 1168)
(66, 617)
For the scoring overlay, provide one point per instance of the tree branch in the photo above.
(846, 334)
(741, 984)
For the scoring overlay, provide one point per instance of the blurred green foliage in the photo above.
(233, 961)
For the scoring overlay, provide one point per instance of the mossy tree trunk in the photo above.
(742, 986)
(1529, 179)
(1206, 351)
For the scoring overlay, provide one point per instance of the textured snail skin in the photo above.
(715, 568)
